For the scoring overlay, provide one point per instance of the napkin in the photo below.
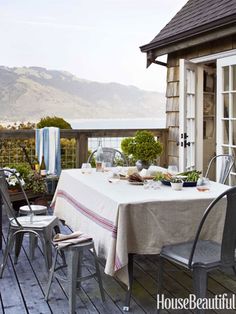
(64, 240)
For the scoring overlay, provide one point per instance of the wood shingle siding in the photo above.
(172, 90)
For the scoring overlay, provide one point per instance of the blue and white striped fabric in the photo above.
(47, 143)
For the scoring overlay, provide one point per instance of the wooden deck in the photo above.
(22, 288)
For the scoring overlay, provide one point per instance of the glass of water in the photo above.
(86, 168)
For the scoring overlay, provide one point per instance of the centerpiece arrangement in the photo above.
(143, 148)
(189, 178)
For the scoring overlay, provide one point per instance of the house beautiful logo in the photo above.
(219, 302)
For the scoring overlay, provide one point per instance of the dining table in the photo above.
(126, 218)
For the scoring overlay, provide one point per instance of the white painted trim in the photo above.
(219, 110)
(227, 61)
(214, 56)
(199, 118)
(181, 112)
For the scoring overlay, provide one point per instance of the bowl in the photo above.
(177, 186)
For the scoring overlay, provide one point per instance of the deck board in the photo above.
(22, 287)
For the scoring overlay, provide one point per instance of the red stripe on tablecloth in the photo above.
(105, 223)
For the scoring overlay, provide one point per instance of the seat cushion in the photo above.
(37, 209)
(38, 221)
(207, 253)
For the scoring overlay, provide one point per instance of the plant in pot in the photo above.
(176, 183)
(36, 183)
(143, 148)
(30, 179)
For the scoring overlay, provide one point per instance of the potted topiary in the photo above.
(143, 148)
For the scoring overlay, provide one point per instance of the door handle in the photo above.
(186, 143)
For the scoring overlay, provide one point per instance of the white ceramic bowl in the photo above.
(177, 186)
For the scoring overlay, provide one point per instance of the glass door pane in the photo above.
(226, 108)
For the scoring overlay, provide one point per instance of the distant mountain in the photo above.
(29, 93)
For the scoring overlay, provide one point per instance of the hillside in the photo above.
(27, 94)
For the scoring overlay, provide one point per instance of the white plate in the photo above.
(136, 183)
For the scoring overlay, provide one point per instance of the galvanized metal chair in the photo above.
(109, 156)
(39, 226)
(203, 256)
(74, 270)
(36, 210)
(227, 162)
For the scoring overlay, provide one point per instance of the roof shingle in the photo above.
(195, 14)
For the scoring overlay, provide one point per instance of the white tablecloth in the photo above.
(124, 218)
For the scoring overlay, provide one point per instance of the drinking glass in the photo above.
(203, 184)
(114, 177)
(172, 169)
(86, 168)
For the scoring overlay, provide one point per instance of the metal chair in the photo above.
(203, 256)
(39, 226)
(227, 162)
(36, 210)
(109, 156)
(74, 273)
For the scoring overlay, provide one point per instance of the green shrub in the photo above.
(53, 121)
(143, 146)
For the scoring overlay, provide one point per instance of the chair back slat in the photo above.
(228, 243)
(6, 199)
(227, 162)
(109, 155)
(229, 233)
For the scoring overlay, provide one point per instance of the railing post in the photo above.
(81, 149)
(164, 155)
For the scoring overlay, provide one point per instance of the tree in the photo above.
(53, 121)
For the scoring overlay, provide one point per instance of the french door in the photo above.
(226, 110)
(190, 116)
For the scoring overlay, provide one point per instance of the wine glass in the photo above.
(203, 184)
(114, 177)
(86, 168)
(172, 169)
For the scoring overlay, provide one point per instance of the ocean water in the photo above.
(118, 124)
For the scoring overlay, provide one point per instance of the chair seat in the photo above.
(37, 209)
(38, 221)
(207, 253)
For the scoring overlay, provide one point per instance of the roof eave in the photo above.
(190, 33)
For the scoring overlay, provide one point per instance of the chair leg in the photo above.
(51, 273)
(7, 251)
(79, 270)
(98, 274)
(18, 244)
(160, 279)
(33, 242)
(131, 277)
(200, 277)
(73, 257)
(47, 247)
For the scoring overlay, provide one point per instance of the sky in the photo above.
(97, 40)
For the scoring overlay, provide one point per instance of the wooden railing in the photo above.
(82, 136)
